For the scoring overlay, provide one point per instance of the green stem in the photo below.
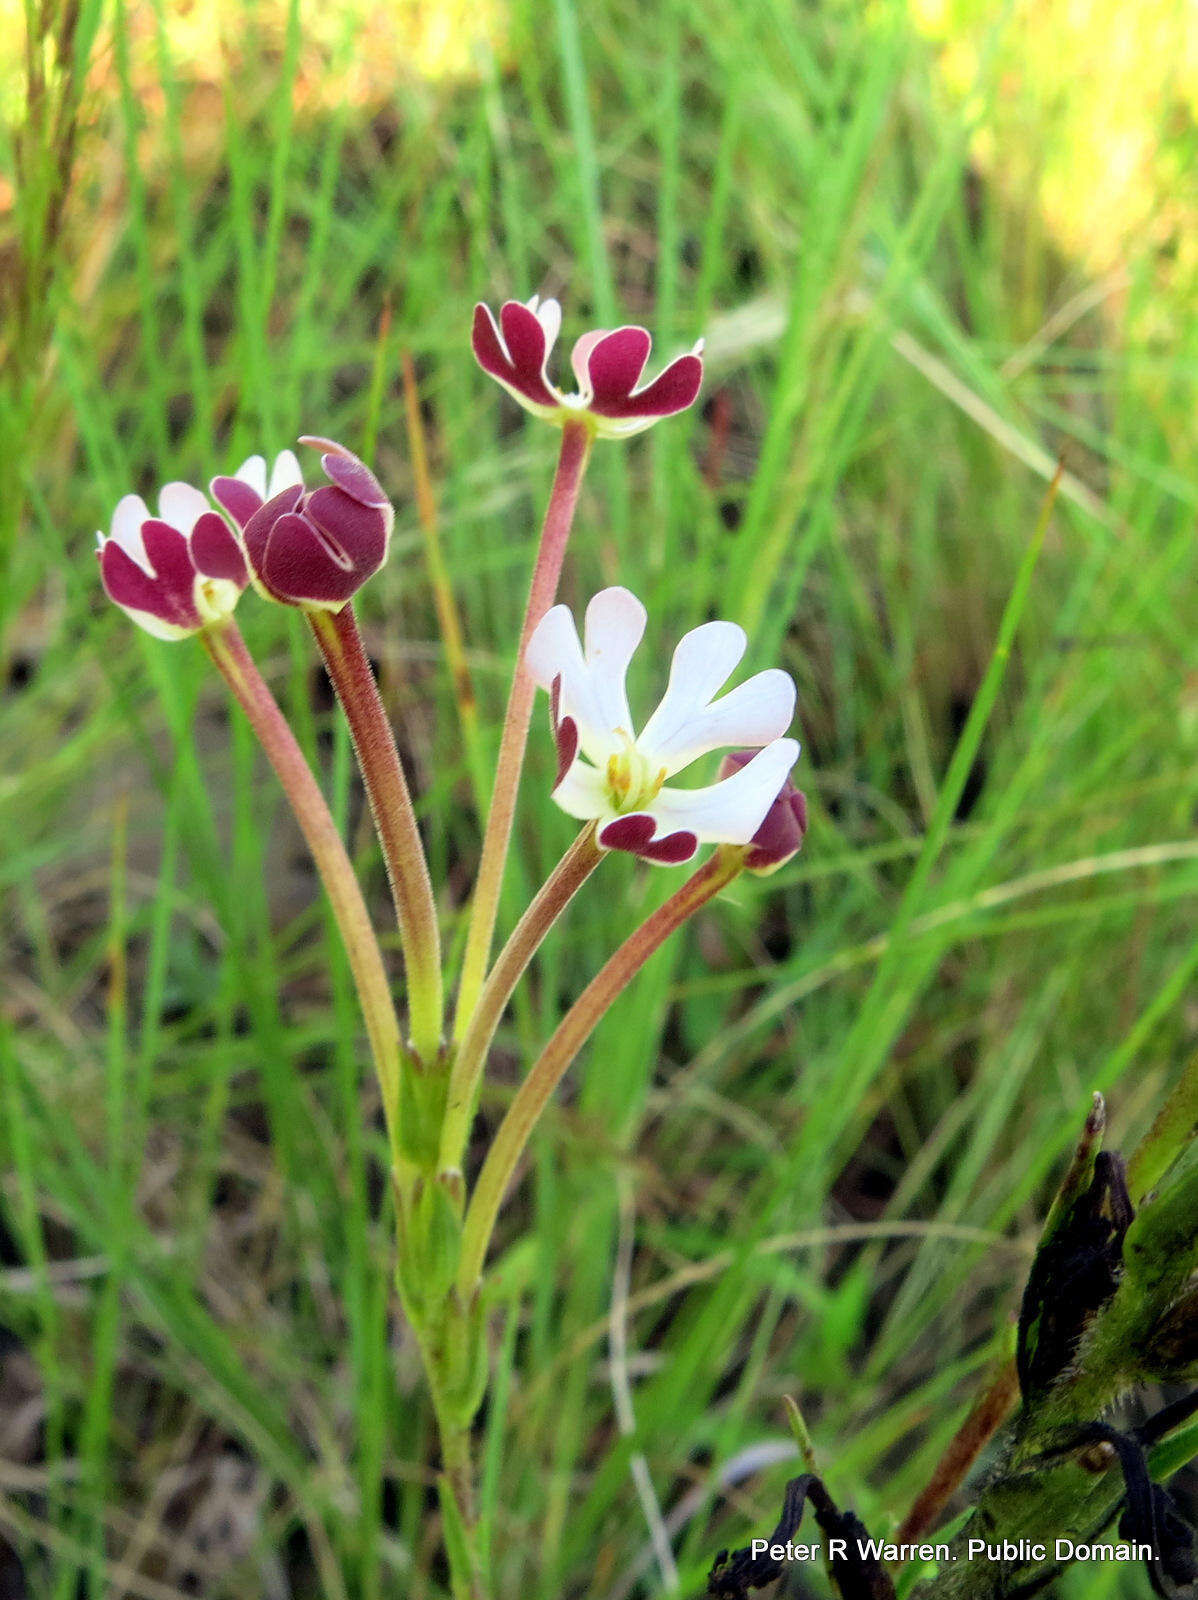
(571, 872)
(572, 1033)
(559, 516)
(232, 659)
(1169, 1135)
(394, 819)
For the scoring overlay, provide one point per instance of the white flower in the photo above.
(618, 778)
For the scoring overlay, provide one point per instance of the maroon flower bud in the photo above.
(313, 548)
(781, 835)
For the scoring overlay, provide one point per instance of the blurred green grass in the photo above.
(897, 1035)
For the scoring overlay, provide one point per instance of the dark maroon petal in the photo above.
(356, 534)
(615, 364)
(566, 734)
(355, 477)
(128, 584)
(520, 365)
(168, 553)
(215, 551)
(297, 564)
(236, 497)
(565, 731)
(672, 391)
(634, 833)
(256, 532)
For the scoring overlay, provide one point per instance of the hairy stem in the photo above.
(394, 819)
(228, 651)
(559, 516)
(571, 872)
(572, 1033)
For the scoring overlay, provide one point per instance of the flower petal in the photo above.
(582, 793)
(252, 472)
(754, 713)
(139, 595)
(635, 833)
(591, 688)
(285, 474)
(579, 357)
(347, 472)
(130, 513)
(615, 362)
(182, 505)
(732, 810)
(216, 553)
(703, 660)
(238, 496)
(614, 626)
(516, 356)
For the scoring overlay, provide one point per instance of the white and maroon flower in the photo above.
(618, 778)
(175, 573)
(607, 368)
(313, 548)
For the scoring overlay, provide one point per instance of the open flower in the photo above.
(312, 548)
(607, 368)
(175, 573)
(784, 826)
(607, 773)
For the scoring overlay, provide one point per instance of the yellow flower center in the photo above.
(631, 782)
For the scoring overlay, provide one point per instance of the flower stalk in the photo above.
(394, 818)
(571, 1034)
(555, 534)
(571, 872)
(229, 654)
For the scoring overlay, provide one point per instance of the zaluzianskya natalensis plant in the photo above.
(312, 548)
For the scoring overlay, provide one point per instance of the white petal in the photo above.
(750, 715)
(731, 811)
(285, 474)
(549, 315)
(252, 471)
(127, 519)
(615, 625)
(591, 692)
(703, 660)
(155, 626)
(582, 793)
(182, 506)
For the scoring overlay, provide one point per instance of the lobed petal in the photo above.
(239, 496)
(296, 564)
(702, 662)
(347, 472)
(614, 363)
(285, 474)
(181, 505)
(636, 833)
(754, 713)
(164, 610)
(612, 629)
(216, 553)
(732, 810)
(514, 353)
(582, 793)
(591, 687)
(131, 511)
